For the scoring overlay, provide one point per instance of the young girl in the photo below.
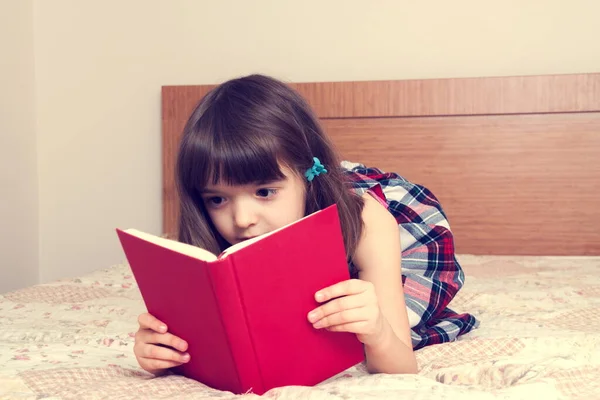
(253, 158)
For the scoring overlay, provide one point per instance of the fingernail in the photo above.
(320, 296)
(312, 315)
(185, 357)
(162, 328)
(318, 324)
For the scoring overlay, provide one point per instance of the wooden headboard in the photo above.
(515, 161)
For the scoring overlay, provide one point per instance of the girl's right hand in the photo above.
(149, 351)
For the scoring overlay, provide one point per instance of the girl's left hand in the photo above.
(354, 308)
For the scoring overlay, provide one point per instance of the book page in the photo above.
(179, 247)
(243, 244)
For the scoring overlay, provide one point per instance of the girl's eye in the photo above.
(266, 192)
(215, 201)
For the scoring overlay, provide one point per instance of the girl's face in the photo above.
(245, 211)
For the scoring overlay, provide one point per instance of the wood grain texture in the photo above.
(512, 159)
(429, 97)
(510, 184)
(467, 96)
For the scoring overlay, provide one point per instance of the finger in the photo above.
(342, 318)
(166, 339)
(149, 321)
(360, 327)
(154, 364)
(337, 305)
(157, 352)
(344, 288)
(147, 336)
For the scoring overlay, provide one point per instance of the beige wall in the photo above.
(18, 158)
(100, 65)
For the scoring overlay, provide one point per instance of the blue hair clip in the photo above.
(316, 170)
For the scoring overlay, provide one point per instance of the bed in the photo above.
(513, 160)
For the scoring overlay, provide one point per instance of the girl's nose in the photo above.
(244, 216)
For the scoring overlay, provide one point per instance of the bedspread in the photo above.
(539, 336)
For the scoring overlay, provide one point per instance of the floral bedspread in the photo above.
(539, 337)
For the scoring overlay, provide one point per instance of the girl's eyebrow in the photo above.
(270, 181)
(209, 191)
(257, 183)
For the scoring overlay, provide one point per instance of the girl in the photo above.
(253, 158)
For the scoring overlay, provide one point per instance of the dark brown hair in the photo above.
(240, 133)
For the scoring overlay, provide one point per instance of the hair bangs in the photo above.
(228, 160)
(241, 162)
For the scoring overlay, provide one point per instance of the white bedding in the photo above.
(539, 337)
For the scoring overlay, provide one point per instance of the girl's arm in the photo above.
(373, 306)
(378, 258)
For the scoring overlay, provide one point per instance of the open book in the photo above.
(244, 312)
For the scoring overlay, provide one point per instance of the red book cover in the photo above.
(244, 312)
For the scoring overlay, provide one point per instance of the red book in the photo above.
(244, 312)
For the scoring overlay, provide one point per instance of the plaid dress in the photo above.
(431, 274)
